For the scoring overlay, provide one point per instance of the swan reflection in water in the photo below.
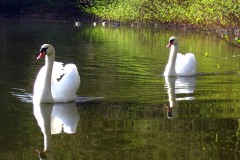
(54, 119)
(178, 85)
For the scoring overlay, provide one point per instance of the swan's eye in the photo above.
(171, 41)
(44, 49)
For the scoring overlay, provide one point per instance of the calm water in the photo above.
(121, 109)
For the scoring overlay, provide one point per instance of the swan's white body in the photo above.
(179, 64)
(55, 82)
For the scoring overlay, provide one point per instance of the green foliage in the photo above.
(174, 11)
(126, 10)
(219, 17)
(206, 54)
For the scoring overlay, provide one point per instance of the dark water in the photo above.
(121, 111)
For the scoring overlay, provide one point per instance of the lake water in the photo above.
(121, 108)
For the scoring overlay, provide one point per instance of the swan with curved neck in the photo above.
(55, 81)
(179, 64)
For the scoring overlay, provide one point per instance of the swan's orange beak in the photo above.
(41, 55)
(169, 45)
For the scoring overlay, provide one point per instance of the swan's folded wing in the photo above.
(65, 82)
(58, 70)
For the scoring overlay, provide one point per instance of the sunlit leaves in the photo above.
(210, 15)
(209, 12)
(206, 54)
(226, 37)
(197, 19)
(237, 40)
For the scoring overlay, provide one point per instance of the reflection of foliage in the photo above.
(141, 129)
(221, 18)
(121, 59)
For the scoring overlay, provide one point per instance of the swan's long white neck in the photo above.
(173, 54)
(47, 92)
(170, 68)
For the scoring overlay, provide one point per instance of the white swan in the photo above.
(179, 64)
(55, 82)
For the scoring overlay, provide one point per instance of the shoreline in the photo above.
(73, 14)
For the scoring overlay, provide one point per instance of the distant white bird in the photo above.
(94, 24)
(104, 23)
(77, 24)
